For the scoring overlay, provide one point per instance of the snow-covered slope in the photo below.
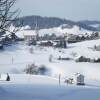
(26, 87)
(15, 58)
(18, 56)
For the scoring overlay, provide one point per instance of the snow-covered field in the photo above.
(16, 57)
(26, 87)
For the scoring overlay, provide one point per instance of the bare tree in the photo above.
(6, 15)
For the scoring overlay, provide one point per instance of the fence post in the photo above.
(59, 79)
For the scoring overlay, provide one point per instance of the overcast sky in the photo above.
(69, 9)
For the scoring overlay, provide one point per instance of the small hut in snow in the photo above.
(79, 79)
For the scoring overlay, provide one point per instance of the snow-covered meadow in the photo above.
(30, 87)
(15, 58)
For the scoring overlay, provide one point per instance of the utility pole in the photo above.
(12, 60)
(59, 79)
(37, 31)
(65, 40)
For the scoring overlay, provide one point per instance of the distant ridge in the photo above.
(50, 22)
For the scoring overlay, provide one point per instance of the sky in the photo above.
(68, 9)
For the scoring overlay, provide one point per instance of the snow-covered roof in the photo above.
(29, 32)
(23, 33)
(75, 30)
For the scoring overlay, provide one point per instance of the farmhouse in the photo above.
(73, 38)
(82, 59)
(26, 34)
(45, 43)
(29, 36)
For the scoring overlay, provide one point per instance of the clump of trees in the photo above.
(36, 70)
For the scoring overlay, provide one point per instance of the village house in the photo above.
(29, 36)
(61, 44)
(46, 43)
(83, 59)
(73, 38)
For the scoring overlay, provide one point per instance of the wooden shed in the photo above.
(79, 79)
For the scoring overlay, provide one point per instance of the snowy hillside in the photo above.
(26, 87)
(16, 57)
(51, 22)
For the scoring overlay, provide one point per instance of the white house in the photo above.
(29, 35)
(26, 34)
